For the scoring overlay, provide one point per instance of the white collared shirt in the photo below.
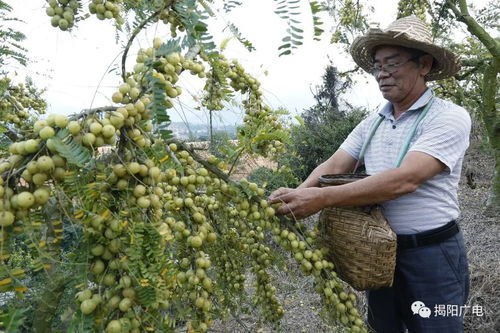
(444, 134)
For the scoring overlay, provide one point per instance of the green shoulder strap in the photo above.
(411, 133)
(406, 143)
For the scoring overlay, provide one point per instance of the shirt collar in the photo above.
(386, 110)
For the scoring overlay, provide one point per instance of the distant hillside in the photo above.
(192, 131)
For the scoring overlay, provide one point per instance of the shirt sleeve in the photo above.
(354, 141)
(445, 137)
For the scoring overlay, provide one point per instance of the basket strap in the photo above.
(374, 127)
(406, 143)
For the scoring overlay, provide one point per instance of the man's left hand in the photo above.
(298, 203)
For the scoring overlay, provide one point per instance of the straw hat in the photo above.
(408, 32)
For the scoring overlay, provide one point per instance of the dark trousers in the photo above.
(437, 276)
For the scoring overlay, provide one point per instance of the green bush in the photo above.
(315, 142)
(323, 128)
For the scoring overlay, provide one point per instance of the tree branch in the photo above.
(462, 14)
(88, 112)
(134, 34)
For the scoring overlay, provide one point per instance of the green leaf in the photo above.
(73, 152)
(294, 28)
(284, 46)
(167, 48)
(287, 52)
(13, 320)
(300, 120)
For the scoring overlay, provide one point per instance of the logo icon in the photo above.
(419, 308)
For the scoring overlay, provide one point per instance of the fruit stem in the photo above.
(134, 34)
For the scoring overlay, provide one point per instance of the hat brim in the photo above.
(446, 64)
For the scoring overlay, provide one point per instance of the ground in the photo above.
(481, 233)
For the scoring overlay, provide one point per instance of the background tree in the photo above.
(324, 126)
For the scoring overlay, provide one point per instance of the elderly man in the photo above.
(419, 196)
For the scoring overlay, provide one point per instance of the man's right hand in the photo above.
(279, 192)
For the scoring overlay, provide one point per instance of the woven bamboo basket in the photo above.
(361, 243)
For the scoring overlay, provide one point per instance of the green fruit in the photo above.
(129, 293)
(139, 191)
(109, 280)
(84, 295)
(46, 132)
(61, 120)
(98, 267)
(6, 218)
(45, 163)
(124, 88)
(95, 128)
(25, 200)
(39, 124)
(125, 304)
(88, 139)
(134, 93)
(196, 241)
(31, 146)
(97, 250)
(108, 131)
(39, 178)
(117, 97)
(117, 119)
(114, 326)
(74, 127)
(88, 306)
(143, 202)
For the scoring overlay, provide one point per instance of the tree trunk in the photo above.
(491, 120)
(488, 112)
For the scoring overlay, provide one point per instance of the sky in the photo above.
(78, 68)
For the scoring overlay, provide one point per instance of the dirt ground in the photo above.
(481, 233)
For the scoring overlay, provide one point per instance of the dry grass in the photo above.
(245, 165)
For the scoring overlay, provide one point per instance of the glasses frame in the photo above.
(391, 68)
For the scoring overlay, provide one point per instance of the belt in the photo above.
(428, 237)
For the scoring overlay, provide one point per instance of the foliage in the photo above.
(10, 39)
(138, 229)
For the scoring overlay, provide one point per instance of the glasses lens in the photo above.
(376, 71)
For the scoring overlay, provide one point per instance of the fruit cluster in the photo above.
(17, 101)
(106, 9)
(170, 17)
(62, 13)
(413, 7)
(216, 87)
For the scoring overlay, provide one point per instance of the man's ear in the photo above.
(426, 61)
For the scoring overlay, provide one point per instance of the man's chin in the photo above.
(387, 95)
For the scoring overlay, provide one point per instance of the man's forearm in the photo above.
(378, 188)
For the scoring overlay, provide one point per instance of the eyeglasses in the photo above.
(390, 68)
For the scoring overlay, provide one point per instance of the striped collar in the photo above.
(387, 109)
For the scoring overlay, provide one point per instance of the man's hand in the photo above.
(298, 203)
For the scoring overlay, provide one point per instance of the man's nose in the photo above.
(382, 74)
